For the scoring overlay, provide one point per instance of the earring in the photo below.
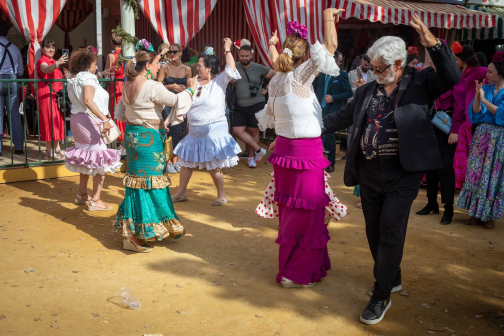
(149, 73)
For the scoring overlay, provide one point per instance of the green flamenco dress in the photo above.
(147, 210)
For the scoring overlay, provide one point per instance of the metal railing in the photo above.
(29, 108)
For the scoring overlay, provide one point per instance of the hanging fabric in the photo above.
(72, 15)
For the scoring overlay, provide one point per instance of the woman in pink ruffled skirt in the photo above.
(90, 156)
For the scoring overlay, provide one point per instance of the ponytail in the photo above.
(285, 63)
(130, 71)
(142, 57)
(298, 46)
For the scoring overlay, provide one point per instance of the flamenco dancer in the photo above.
(392, 145)
(297, 159)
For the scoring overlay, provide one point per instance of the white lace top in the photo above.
(76, 92)
(292, 108)
(210, 106)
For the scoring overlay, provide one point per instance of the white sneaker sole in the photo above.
(394, 290)
(378, 320)
(295, 285)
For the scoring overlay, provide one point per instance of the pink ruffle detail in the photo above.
(300, 164)
(302, 203)
(92, 159)
(303, 241)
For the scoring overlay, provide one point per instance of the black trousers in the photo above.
(387, 193)
(445, 175)
(329, 141)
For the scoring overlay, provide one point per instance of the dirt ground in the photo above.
(61, 266)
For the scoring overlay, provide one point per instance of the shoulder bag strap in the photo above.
(246, 74)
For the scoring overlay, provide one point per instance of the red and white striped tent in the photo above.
(34, 19)
(72, 15)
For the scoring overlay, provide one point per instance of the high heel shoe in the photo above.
(131, 246)
(92, 206)
(80, 200)
(430, 207)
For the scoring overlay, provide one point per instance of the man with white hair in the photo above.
(393, 143)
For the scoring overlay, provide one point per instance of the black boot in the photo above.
(448, 214)
(430, 207)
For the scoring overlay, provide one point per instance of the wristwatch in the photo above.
(437, 46)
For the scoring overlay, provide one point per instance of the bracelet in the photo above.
(328, 21)
(272, 43)
(190, 91)
(226, 52)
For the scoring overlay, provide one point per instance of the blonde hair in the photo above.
(142, 57)
(298, 46)
(116, 39)
(164, 58)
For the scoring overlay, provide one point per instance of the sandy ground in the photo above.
(61, 266)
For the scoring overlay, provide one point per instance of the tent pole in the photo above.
(98, 31)
(128, 24)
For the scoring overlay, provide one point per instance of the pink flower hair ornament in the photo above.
(295, 27)
(92, 49)
(498, 57)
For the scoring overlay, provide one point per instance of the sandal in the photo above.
(93, 207)
(49, 156)
(80, 199)
(175, 199)
(129, 245)
(220, 201)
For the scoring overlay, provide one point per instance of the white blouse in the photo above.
(293, 109)
(149, 104)
(210, 106)
(76, 92)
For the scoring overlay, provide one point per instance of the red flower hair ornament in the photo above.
(413, 51)
(498, 57)
(456, 48)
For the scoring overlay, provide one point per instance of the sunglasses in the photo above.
(173, 52)
(382, 70)
(199, 91)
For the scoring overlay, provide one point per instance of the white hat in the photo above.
(243, 42)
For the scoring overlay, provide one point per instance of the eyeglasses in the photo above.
(173, 52)
(381, 70)
(199, 91)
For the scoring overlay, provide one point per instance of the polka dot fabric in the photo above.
(268, 208)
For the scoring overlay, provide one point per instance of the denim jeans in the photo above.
(16, 127)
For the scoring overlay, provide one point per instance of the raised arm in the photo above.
(47, 69)
(331, 17)
(477, 97)
(272, 50)
(230, 62)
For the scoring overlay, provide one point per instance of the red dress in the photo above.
(117, 93)
(48, 101)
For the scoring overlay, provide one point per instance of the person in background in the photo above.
(116, 89)
(11, 67)
(250, 100)
(209, 145)
(413, 59)
(186, 57)
(52, 125)
(193, 60)
(482, 194)
(147, 213)
(90, 156)
(482, 59)
(174, 76)
(332, 93)
(463, 93)
(349, 59)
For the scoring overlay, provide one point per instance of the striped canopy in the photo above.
(434, 15)
(486, 33)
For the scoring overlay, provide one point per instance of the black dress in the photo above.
(177, 132)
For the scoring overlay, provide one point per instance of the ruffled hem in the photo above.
(300, 278)
(87, 171)
(302, 203)
(92, 159)
(300, 164)
(265, 120)
(165, 228)
(147, 182)
(214, 164)
(324, 60)
(303, 241)
(207, 149)
(480, 207)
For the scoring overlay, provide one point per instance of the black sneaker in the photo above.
(375, 311)
(396, 287)
(329, 169)
(19, 152)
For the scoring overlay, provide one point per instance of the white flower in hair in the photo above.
(288, 52)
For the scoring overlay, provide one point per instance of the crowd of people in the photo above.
(440, 120)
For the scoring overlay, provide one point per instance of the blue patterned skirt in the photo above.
(147, 210)
(483, 191)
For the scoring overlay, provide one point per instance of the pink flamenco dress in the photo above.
(90, 156)
(299, 193)
(463, 94)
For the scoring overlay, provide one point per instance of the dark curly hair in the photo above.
(211, 62)
(81, 61)
(468, 56)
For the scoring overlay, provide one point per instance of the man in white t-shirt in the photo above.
(11, 66)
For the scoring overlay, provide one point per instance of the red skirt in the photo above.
(52, 124)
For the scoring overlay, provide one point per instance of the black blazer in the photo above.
(418, 149)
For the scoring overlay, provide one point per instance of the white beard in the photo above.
(389, 79)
